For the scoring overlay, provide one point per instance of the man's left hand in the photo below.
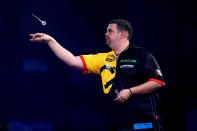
(123, 96)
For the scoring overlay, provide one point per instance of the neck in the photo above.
(121, 47)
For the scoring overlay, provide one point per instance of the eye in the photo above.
(109, 30)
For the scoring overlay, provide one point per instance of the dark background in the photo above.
(39, 92)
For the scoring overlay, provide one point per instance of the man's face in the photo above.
(112, 34)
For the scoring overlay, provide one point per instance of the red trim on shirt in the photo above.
(158, 81)
(85, 71)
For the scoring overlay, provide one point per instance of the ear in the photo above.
(122, 34)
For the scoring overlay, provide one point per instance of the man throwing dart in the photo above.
(131, 77)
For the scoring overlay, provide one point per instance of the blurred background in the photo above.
(38, 92)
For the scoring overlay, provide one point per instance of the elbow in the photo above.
(72, 64)
(159, 85)
(76, 63)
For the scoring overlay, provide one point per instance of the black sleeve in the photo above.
(152, 69)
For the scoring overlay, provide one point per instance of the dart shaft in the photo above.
(37, 17)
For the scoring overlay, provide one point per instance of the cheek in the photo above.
(115, 37)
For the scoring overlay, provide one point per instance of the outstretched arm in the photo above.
(62, 53)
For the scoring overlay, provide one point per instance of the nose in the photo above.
(106, 34)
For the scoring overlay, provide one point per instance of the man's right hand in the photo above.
(41, 37)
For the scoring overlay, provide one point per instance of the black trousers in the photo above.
(124, 120)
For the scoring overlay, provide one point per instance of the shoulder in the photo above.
(137, 49)
(141, 51)
(99, 55)
(106, 54)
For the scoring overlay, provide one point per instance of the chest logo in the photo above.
(128, 60)
(126, 66)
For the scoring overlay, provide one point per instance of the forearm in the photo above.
(61, 52)
(65, 55)
(146, 88)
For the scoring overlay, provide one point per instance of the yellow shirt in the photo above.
(103, 64)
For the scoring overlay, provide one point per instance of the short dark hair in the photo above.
(123, 25)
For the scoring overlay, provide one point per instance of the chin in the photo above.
(108, 44)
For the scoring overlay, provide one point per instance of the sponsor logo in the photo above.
(128, 60)
(108, 67)
(158, 72)
(110, 60)
(16, 125)
(126, 66)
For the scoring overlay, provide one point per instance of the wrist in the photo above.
(51, 42)
(131, 91)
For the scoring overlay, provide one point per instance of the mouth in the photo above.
(107, 41)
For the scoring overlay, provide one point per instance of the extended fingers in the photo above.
(119, 99)
(36, 36)
(35, 39)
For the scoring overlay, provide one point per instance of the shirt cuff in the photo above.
(158, 81)
(85, 70)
